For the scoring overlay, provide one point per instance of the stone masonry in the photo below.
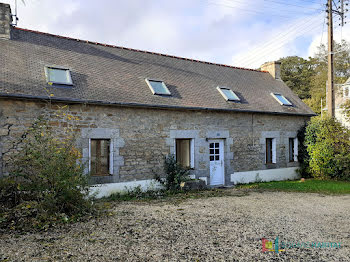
(142, 137)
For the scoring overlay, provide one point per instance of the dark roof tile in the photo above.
(116, 75)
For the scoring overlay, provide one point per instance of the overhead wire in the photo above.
(289, 11)
(247, 10)
(324, 22)
(281, 36)
(263, 55)
(266, 51)
(235, 7)
(283, 3)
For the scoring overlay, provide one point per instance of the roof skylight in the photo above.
(158, 87)
(228, 94)
(281, 99)
(59, 76)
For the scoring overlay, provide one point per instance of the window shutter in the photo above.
(295, 149)
(89, 155)
(274, 157)
(111, 158)
(192, 153)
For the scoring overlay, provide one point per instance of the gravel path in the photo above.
(228, 228)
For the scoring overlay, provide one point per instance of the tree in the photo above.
(47, 184)
(308, 77)
(328, 145)
(296, 72)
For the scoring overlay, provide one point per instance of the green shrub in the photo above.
(328, 144)
(46, 184)
(303, 154)
(175, 174)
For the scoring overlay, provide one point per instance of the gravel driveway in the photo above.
(228, 228)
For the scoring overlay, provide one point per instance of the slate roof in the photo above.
(115, 75)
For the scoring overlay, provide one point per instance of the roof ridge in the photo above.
(137, 50)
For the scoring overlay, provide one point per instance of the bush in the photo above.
(46, 184)
(303, 154)
(328, 144)
(175, 174)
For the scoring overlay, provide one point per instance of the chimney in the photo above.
(274, 68)
(5, 21)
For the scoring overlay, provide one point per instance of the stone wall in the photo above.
(142, 137)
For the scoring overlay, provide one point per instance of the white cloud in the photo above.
(339, 34)
(278, 42)
(219, 31)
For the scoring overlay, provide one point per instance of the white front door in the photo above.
(216, 158)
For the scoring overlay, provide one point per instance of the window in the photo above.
(293, 149)
(214, 151)
(270, 150)
(281, 99)
(228, 94)
(100, 157)
(59, 76)
(185, 152)
(158, 87)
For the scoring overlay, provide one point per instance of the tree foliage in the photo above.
(328, 145)
(296, 72)
(303, 154)
(47, 183)
(308, 77)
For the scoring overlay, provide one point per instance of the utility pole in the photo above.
(330, 90)
(330, 86)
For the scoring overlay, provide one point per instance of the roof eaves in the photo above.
(98, 102)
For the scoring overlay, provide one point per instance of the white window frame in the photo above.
(167, 93)
(110, 154)
(274, 151)
(219, 88)
(295, 153)
(191, 150)
(47, 68)
(279, 101)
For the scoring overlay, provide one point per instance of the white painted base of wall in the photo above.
(105, 190)
(267, 175)
(205, 179)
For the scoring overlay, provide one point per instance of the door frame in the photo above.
(222, 156)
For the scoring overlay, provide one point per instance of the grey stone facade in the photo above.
(142, 137)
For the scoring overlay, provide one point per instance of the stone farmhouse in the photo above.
(228, 124)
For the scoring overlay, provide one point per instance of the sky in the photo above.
(235, 32)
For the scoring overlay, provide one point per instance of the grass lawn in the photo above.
(308, 186)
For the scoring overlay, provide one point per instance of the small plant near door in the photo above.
(175, 174)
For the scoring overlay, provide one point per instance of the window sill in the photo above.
(270, 165)
(57, 84)
(107, 175)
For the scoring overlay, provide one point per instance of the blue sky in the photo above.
(236, 32)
